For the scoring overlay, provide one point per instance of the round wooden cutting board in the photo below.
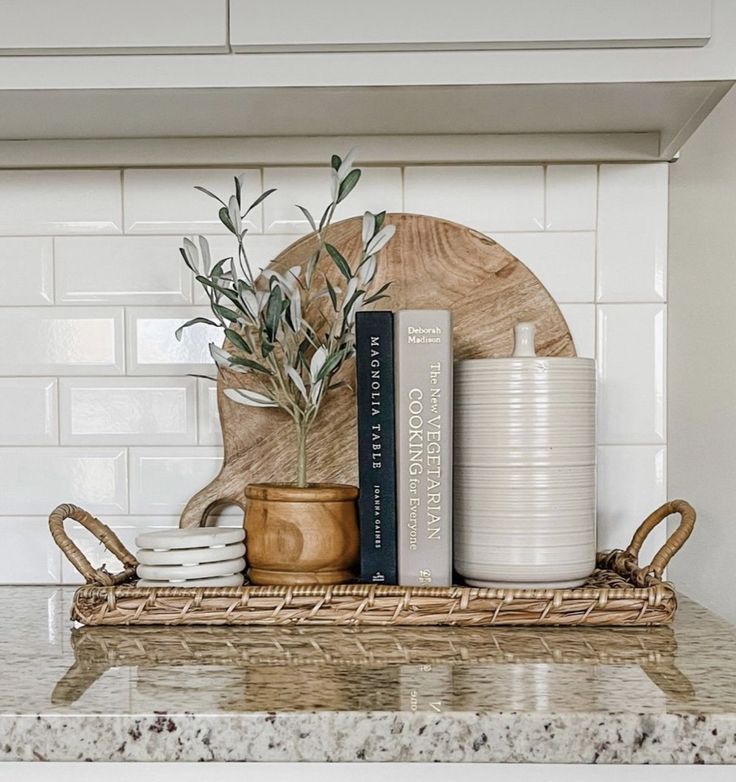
(435, 264)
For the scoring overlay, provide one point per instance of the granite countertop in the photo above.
(660, 695)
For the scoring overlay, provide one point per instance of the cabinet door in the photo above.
(403, 25)
(112, 26)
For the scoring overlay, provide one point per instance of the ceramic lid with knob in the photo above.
(524, 348)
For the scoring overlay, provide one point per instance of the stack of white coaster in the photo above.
(196, 556)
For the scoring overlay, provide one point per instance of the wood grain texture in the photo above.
(435, 264)
(302, 535)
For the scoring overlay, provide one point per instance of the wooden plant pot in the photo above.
(301, 535)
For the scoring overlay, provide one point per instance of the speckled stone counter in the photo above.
(664, 695)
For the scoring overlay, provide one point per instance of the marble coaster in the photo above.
(219, 581)
(189, 572)
(190, 556)
(190, 537)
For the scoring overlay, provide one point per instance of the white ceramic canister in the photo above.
(525, 468)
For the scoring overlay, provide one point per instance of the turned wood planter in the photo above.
(303, 535)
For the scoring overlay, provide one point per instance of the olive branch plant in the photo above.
(272, 331)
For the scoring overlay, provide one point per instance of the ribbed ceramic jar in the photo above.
(525, 468)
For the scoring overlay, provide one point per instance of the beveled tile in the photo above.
(488, 198)
(121, 270)
(208, 415)
(631, 373)
(563, 262)
(57, 201)
(379, 189)
(61, 341)
(571, 195)
(163, 479)
(632, 233)
(153, 349)
(28, 411)
(28, 554)
(26, 270)
(128, 411)
(36, 480)
(631, 484)
(581, 322)
(164, 201)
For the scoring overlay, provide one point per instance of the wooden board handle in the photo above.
(103, 533)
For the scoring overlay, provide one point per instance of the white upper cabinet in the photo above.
(112, 26)
(539, 79)
(404, 25)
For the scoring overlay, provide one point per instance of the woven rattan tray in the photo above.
(619, 592)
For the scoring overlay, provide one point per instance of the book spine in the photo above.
(423, 340)
(374, 350)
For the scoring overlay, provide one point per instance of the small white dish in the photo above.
(219, 581)
(190, 572)
(190, 537)
(190, 556)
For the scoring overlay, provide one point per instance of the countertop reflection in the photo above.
(662, 694)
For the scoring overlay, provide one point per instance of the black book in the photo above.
(374, 355)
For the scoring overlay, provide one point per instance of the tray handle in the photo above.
(103, 533)
(672, 545)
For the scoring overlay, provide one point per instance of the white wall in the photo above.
(95, 404)
(702, 356)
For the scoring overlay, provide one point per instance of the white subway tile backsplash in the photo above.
(78, 313)
(563, 262)
(127, 528)
(36, 480)
(632, 233)
(121, 270)
(581, 322)
(488, 198)
(154, 350)
(128, 411)
(379, 189)
(631, 484)
(28, 411)
(571, 198)
(29, 554)
(631, 373)
(260, 248)
(60, 202)
(164, 201)
(61, 341)
(26, 270)
(163, 479)
(208, 414)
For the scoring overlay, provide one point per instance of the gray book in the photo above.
(423, 382)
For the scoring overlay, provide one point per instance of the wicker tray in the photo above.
(619, 592)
